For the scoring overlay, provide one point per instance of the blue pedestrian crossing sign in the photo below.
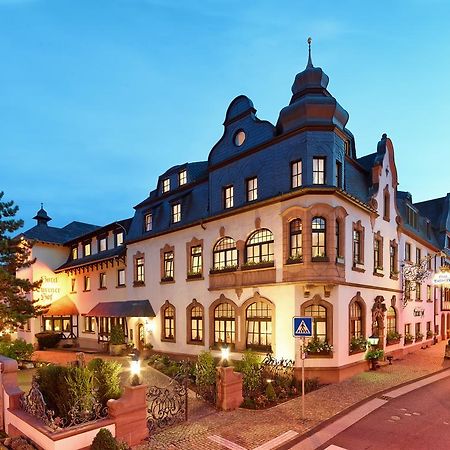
(302, 326)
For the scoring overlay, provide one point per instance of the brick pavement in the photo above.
(253, 428)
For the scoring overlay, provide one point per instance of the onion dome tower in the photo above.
(311, 103)
(42, 217)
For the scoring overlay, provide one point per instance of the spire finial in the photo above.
(310, 64)
(42, 205)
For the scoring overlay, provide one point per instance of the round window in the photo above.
(239, 138)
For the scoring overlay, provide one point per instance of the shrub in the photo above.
(47, 339)
(270, 393)
(374, 354)
(250, 367)
(117, 335)
(18, 349)
(205, 376)
(106, 379)
(104, 440)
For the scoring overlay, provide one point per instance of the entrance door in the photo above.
(141, 337)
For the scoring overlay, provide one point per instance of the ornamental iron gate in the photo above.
(167, 406)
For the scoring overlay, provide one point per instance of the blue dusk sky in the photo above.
(99, 97)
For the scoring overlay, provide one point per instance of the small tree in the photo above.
(15, 305)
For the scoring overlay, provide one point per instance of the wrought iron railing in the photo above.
(281, 370)
(79, 413)
(167, 406)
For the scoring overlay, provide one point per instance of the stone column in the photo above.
(229, 388)
(129, 413)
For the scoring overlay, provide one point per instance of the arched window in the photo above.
(259, 247)
(224, 324)
(196, 324)
(391, 320)
(319, 315)
(356, 323)
(225, 253)
(318, 227)
(169, 322)
(296, 241)
(259, 326)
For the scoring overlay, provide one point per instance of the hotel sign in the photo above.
(442, 278)
(419, 312)
(49, 288)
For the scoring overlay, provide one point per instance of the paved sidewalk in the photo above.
(210, 429)
(246, 429)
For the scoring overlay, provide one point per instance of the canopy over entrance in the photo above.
(62, 307)
(127, 308)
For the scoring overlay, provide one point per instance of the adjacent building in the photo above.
(280, 221)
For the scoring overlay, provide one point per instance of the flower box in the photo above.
(194, 276)
(166, 279)
(294, 260)
(392, 341)
(261, 265)
(223, 270)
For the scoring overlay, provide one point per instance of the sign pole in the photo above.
(303, 376)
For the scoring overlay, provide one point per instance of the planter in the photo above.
(194, 276)
(294, 260)
(320, 354)
(224, 270)
(392, 341)
(262, 265)
(117, 349)
(408, 341)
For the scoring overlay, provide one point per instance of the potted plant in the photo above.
(294, 259)
(358, 344)
(373, 356)
(408, 338)
(146, 350)
(117, 340)
(393, 337)
(419, 336)
(257, 265)
(430, 334)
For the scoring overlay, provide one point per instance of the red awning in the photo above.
(62, 307)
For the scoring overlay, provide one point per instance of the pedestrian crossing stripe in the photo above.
(303, 328)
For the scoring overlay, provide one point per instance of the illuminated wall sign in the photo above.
(442, 278)
(49, 287)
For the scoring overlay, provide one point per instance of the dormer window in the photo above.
(87, 249)
(74, 253)
(166, 185)
(239, 138)
(102, 244)
(411, 216)
(148, 222)
(182, 178)
(119, 238)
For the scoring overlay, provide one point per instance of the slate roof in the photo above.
(91, 259)
(54, 235)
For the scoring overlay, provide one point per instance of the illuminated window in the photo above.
(102, 280)
(119, 238)
(296, 240)
(319, 315)
(318, 170)
(166, 185)
(356, 322)
(259, 326)
(407, 251)
(89, 324)
(169, 323)
(102, 244)
(225, 253)
(252, 189)
(391, 320)
(176, 212)
(87, 249)
(259, 247)
(224, 324)
(168, 265)
(121, 277)
(228, 197)
(377, 253)
(182, 178)
(318, 226)
(73, 283)
(418, 255)
(74, 252)
(296, 174)
(87, 283)
(393, 258)
(196, 260)
(356, 247)
(140, 277)
(196, 317)
(148, 219)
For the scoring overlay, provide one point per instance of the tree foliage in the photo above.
(16, 305)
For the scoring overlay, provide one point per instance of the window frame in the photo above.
(148, 222)
(252, 189)
(257, 321)
(318, 172)
(261, 248)
(176, 212)
(228, 196)
(296, 174)
(182, 177)
(119, 272)
(316, 234)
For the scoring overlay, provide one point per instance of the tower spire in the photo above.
(310, 64)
